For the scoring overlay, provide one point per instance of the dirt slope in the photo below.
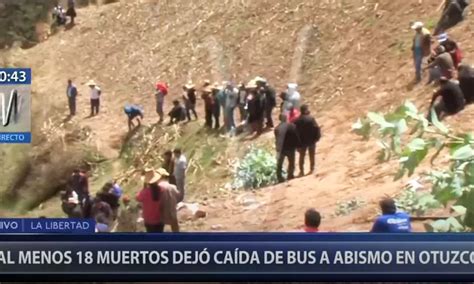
(349, 57)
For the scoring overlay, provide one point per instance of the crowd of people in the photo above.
(446, 68)
(254, 102)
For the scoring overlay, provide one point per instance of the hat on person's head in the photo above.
(189, 85)
(443, 37)
(153, 178)
(147, 174)
(216, 86)
(91, 83)
(207, 82)
(252, 84)
(261, 80)
(417, 25)
(127, 109)
(292, 86)
(163, 172)
(207, 89)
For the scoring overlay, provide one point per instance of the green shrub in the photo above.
(257, 169)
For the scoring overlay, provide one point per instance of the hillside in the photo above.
(348, 57)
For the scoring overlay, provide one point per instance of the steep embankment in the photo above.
(348, 57)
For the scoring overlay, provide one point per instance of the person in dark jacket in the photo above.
(309, 133)
(71, 93)
(71, 10)
(269, 97)
(466, 82)
(216, 107)
(189, 97)
(79, 183)
(453, 13)
(208, 105)
(177, 113)
(168, 165)
(287, 141)
(106, 195)
(452, 99)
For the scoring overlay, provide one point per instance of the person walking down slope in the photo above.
(421, 47)
(95, 97)
(452, 99)
(161, 92)
(150, 199)
(391, 221)
(71, 93)
(180, 166)
(133, 112)
(189, 98)
(310, 133)
(287, 141)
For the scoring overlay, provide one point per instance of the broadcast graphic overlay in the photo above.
(15, 105)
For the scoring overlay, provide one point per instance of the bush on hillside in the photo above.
(257, 169)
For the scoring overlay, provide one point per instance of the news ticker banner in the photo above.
(46, 226)
(15, 105)
(238, 257)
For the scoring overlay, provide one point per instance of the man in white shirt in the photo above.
(95, 97)
(180, 166)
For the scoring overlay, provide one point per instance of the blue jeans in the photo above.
(418, 56)
(229, 118)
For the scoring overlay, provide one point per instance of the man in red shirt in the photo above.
(312, 220)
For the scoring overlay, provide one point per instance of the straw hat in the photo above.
(91, 83)
(216, 86)
(163, 172)
(147, 174)
(417, 25)
(252, 84)
(153, 177)
(259, 79)
(189, 85)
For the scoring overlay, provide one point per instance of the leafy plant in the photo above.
(453, 184)
(345, 208)
(415, 202)
(257, 169)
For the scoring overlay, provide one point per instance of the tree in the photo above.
(452, 184)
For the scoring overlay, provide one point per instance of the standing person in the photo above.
(59, 15)
(453, 13)
(180, 166)
(161, 92)
(287, 141)
(127, 220)
(421, 47)
(310, 133)
(312, 221)
(256, 108)
(189, 97)
(293, 96)
(285, 105)
(242, 101)
(177, 113)
(71, 92)
(391, 221)
(71, 11)
(150, 199)
(216, 91)
(269, 97)
(208, 105)
(466, 82)
(169, 201)
(95, 97)
(79, 183)
(231, 96)
(168, 165)
(133, 112)
(452, 99)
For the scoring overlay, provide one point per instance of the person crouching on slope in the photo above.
(132, 112)
(391, 221)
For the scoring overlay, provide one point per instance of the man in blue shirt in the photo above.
(133, 111)
(391, 221)
(71, 93)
